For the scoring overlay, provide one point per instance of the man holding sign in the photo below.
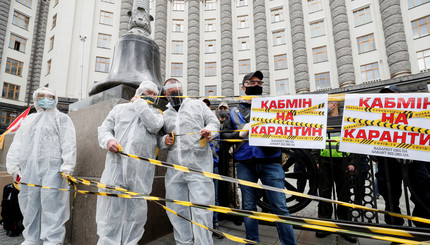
(254, 162)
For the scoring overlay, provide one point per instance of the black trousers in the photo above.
(326, 181)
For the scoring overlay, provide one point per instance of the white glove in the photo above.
(247, 127)
(66, 172)
(15, 175)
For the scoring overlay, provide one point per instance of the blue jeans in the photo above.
(215, 218)
(272, 175)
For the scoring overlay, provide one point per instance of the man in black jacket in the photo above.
(255, 163)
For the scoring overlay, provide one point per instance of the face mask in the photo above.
(254, 90)
(46, 103)
(149, 98)
(175, 101)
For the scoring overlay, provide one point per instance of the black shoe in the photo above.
(351, 239)
(322, 234)
(216, 235)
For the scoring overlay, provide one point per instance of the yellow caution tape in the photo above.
(292, 123)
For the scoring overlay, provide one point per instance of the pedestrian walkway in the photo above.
(269, 235)
(6, 240)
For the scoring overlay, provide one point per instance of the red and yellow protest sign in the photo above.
(390, 125)
(289, 121)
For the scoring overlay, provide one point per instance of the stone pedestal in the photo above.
(87, 115)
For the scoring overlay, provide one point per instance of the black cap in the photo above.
(390, 89)
(252, 74)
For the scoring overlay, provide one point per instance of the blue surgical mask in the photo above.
(46, 103)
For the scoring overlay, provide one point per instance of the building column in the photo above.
(342, 43)
(126, 5)
(395, 38)
(160, 34)
(4, 16)
(37, 47)
(193, 53)
(261, 46)
(300, 60)
(227, 64)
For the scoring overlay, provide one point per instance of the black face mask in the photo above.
(175, 101)
(254, 90)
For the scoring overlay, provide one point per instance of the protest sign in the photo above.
(390, 125)
(289, 121)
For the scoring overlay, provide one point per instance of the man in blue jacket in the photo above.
(255, 163)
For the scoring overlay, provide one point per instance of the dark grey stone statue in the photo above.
(136, 57)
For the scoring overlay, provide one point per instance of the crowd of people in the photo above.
(45, 144)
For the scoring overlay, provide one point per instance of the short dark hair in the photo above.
(207, 102)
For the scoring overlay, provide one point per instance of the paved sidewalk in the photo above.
(269, 235)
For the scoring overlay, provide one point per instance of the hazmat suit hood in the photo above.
(46, 91)
(145, 85)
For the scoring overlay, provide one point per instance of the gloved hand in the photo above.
(243, 134)
(16, 176)
(67, 172)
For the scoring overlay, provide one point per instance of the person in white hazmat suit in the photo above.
(187, 116)
(134, 126)
(44, 144)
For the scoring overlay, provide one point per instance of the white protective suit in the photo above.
(134, 126)
(192, 116)
(44, 144)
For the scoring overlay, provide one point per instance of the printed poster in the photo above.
(389, 125)
(298, 121)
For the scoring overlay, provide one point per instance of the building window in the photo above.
(243, 43)
(7, 117)
(178, 5)
(178, 25)
(210, 4)
(108, 1)
(362, 16)
(210, 69)
(322, 80)
(317, 29)
(414, 3)
(10, 91)
(282, 87)
(54, 21)
(210, 25)
(369, 72)
(277, 15)
(177, 70)
(242, 22)
(18, 43)
(51, 43)
(20, 20)
(366, 43)
(210, 46)
(421, 27)
(48, 67)
(106, 18)
(278, 37)
(423, 59)
(320, 54)
(314, 6)
(102, 64)
(103, 40)
(177, 47)
(241, 3)
(210, 90)
(280, 61)
(14, 67)
(244, 66)
(26, 3)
